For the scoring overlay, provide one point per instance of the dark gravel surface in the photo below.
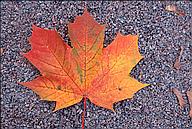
(161, 33)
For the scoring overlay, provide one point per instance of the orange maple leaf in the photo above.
(87, 70)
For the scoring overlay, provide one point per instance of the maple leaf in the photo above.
(85, 70)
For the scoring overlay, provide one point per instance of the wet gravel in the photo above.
(161, 33)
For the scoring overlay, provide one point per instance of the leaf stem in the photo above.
(84, 111)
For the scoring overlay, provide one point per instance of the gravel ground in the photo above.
(161, 33)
